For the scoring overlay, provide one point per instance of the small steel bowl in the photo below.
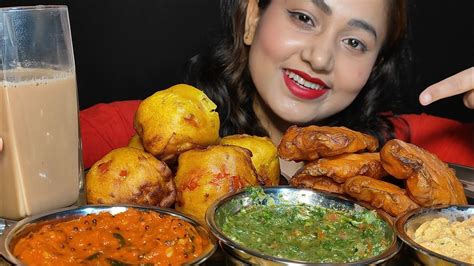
(407, 224)
(20, 229)
(240, 255)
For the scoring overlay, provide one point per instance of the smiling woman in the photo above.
(299, 45)
(274, 64)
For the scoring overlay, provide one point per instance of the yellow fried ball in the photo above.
(264, 155)
(204, 175)
(129, 175)
(175, 120)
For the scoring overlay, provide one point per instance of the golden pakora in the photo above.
(175, 120)
(264, 155)
(129, 175)
(203, 175)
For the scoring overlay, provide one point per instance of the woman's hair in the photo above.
(223, 74)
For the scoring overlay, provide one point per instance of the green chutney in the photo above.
(308, 233)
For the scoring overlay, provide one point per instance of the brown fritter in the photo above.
(379, 194)
(312, 142)
(323, 183)
(429, 181)
(344, 166)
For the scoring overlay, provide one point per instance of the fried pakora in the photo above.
(312, 142)
(316, 182)
(344, 166)
(429, 181)
(264, 155)
(175, 120)
(129, 175)
(203, 175)
(380, 194)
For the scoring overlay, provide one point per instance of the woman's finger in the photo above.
(469, 99)
(456, 84)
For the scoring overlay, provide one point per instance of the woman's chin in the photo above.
(299, 120)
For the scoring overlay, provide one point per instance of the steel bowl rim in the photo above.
(391, 251)
(401, 221)
(10, 232)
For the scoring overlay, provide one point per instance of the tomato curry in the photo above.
(131, 237)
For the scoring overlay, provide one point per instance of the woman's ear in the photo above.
(251, 21)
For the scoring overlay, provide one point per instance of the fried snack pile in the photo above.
(177, 159)
(343, 161)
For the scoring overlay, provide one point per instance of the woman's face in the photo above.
(310, 58)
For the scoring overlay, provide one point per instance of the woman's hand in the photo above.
(462, 82)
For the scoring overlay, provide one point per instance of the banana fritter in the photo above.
(316, 182)
(312, 142)
(429, 181)
(344, 166)
(379, 194)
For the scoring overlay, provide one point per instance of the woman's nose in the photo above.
(320, 55)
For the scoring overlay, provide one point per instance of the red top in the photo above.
(108, 126)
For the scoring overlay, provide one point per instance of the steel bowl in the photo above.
(20, 229)
(240, 255)
(407, 224)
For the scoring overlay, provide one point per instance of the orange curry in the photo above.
(131, 237)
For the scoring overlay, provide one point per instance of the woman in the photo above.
(285, 62)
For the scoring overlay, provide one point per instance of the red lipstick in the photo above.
(303, 92)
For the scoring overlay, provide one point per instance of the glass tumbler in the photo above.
(40, 147)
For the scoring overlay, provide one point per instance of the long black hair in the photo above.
(223, 74)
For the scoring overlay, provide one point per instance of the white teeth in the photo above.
(302, 81)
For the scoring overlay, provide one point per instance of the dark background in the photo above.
(128, 49)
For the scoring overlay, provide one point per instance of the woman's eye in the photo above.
(355, 44)
(301, 18)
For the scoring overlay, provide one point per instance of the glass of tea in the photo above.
(40, 146)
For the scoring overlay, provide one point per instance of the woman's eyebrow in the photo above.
(353, 22)
(362, 25)
(323, 6)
